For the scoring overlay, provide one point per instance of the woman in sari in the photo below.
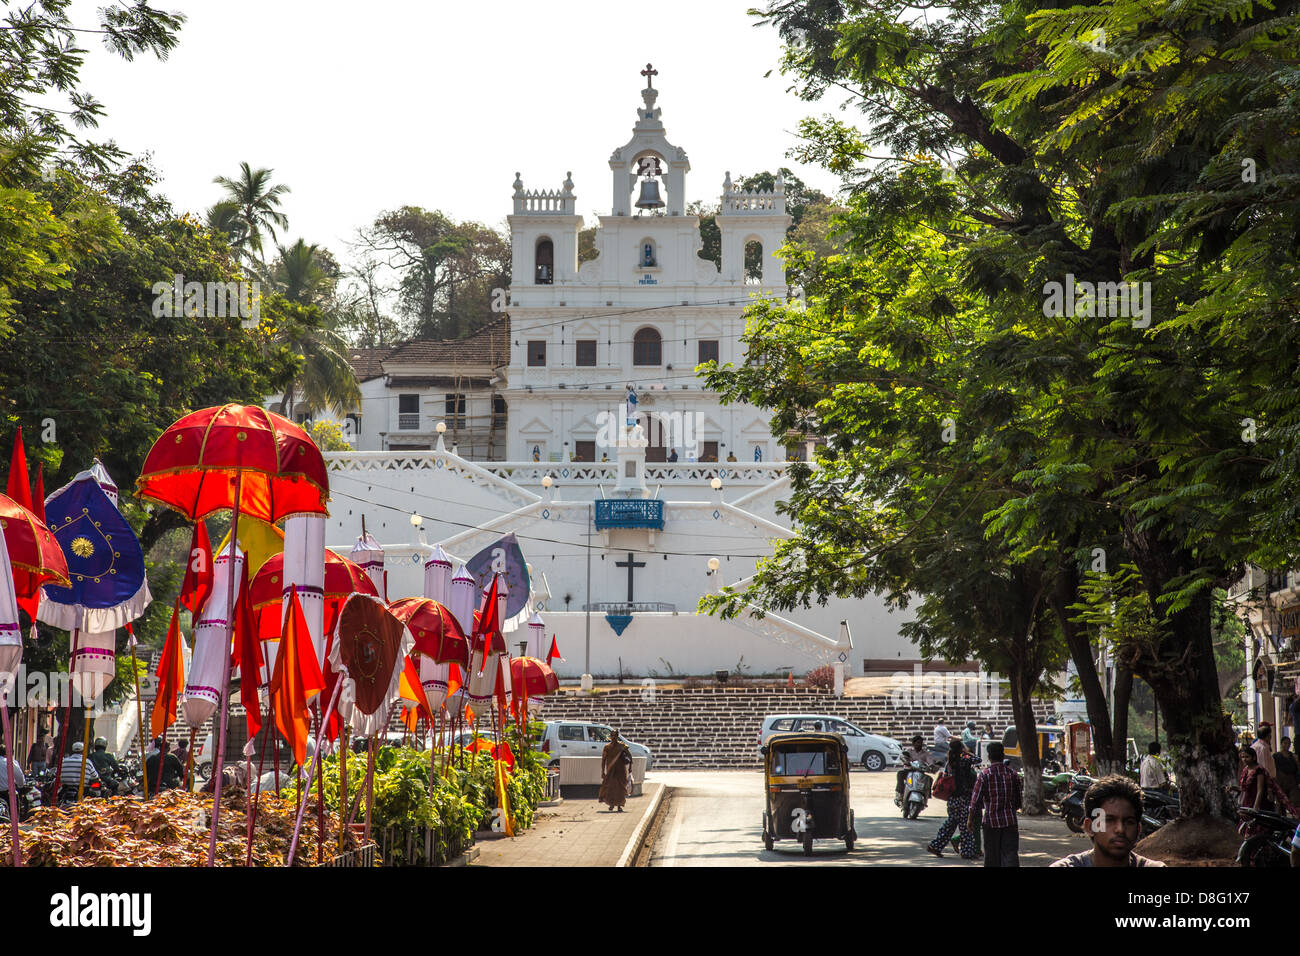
(615, 773)
(1258, 791)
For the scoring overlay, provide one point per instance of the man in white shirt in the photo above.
(1152, 774)
(4, 772)
(941, 735)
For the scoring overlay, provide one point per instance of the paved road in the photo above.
(715, 819)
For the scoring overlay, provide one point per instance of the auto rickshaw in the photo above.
(1050, 740)
(806, 780)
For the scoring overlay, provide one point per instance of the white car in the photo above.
(577, 738)
(872, 751)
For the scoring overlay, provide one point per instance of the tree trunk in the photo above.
(1123, 693)
(1064, 593)
(1022, 707)
(1185, 682)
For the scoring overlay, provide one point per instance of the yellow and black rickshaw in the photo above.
(806, 780)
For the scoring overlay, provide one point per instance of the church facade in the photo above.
(630, 487)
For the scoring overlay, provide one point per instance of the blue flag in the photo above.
(105, 562)
(505, 557)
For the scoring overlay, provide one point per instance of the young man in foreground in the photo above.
(1112, 810)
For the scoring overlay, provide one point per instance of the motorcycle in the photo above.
(1270, 847)
(916, 792)
(67, 791)
(1072, 804)
(1158, 808)
(29, 801)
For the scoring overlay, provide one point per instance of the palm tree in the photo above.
(301, 273)
(224, 217)
(326, 380)
(256, 201)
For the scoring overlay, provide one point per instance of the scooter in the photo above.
(916, 792)
(1158, 808)
(1270, 847)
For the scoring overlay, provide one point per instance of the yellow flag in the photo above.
(258, 540)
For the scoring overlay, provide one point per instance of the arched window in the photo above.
(647, 348)
(753, 261)
(647, 259)
(544, 262)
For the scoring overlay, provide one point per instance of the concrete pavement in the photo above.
(715, 819)
(575, 833)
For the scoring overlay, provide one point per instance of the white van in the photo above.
(872, 751)
(579, 738)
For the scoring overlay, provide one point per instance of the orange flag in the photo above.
(503, 702)
(297, 679)
(171, 677)
(410, 689)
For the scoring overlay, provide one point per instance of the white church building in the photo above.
(577, 422)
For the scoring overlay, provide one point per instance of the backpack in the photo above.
(945, 786)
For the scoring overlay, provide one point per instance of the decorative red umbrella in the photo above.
(437, 634)
(197, 464)
(532, 678)
(342, 579)
(244, 459)
(33, 550)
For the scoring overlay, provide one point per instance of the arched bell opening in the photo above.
(544, 262)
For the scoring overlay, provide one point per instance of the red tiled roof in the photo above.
(489, 348)
(368, 363)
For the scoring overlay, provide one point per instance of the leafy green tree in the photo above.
(1052, 155)
(325, 380)
(446, 270)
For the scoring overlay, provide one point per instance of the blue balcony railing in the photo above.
(630, 513)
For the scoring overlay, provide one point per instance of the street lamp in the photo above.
(442, 427)
(547, 481)
(416, 520)
(716, 484)
(714, 564)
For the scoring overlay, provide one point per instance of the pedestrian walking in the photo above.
(997, 796)
(1263, 750)
(615, 773)
(962, 771)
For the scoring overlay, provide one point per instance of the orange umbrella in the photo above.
(197, 464)
(342, 578)
(33, 551)
(534, 677)
(437, 635)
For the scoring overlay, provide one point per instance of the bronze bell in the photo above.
(649, 198)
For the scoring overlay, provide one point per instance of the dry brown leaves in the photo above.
(172, 830)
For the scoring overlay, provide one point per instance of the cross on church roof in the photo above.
(648, 72)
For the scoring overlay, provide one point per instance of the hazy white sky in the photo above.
(362, 107)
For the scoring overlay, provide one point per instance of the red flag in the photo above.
(487, 635)
(171, 677)
(247, 656)
(38, 500)
(409, 688)
(197, 585)
(503, 705)
(453, 679)
(554, 652)
(18, 488)
(502, 751)
(297, 679)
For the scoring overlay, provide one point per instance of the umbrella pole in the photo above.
(344, 746)
(189, 762)
(320, 800)
(370, 786)
(315, 759)
(219, 732)
(13, 791)
(85, 750)
(139, 715)
(256, 799)
(67, 715)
